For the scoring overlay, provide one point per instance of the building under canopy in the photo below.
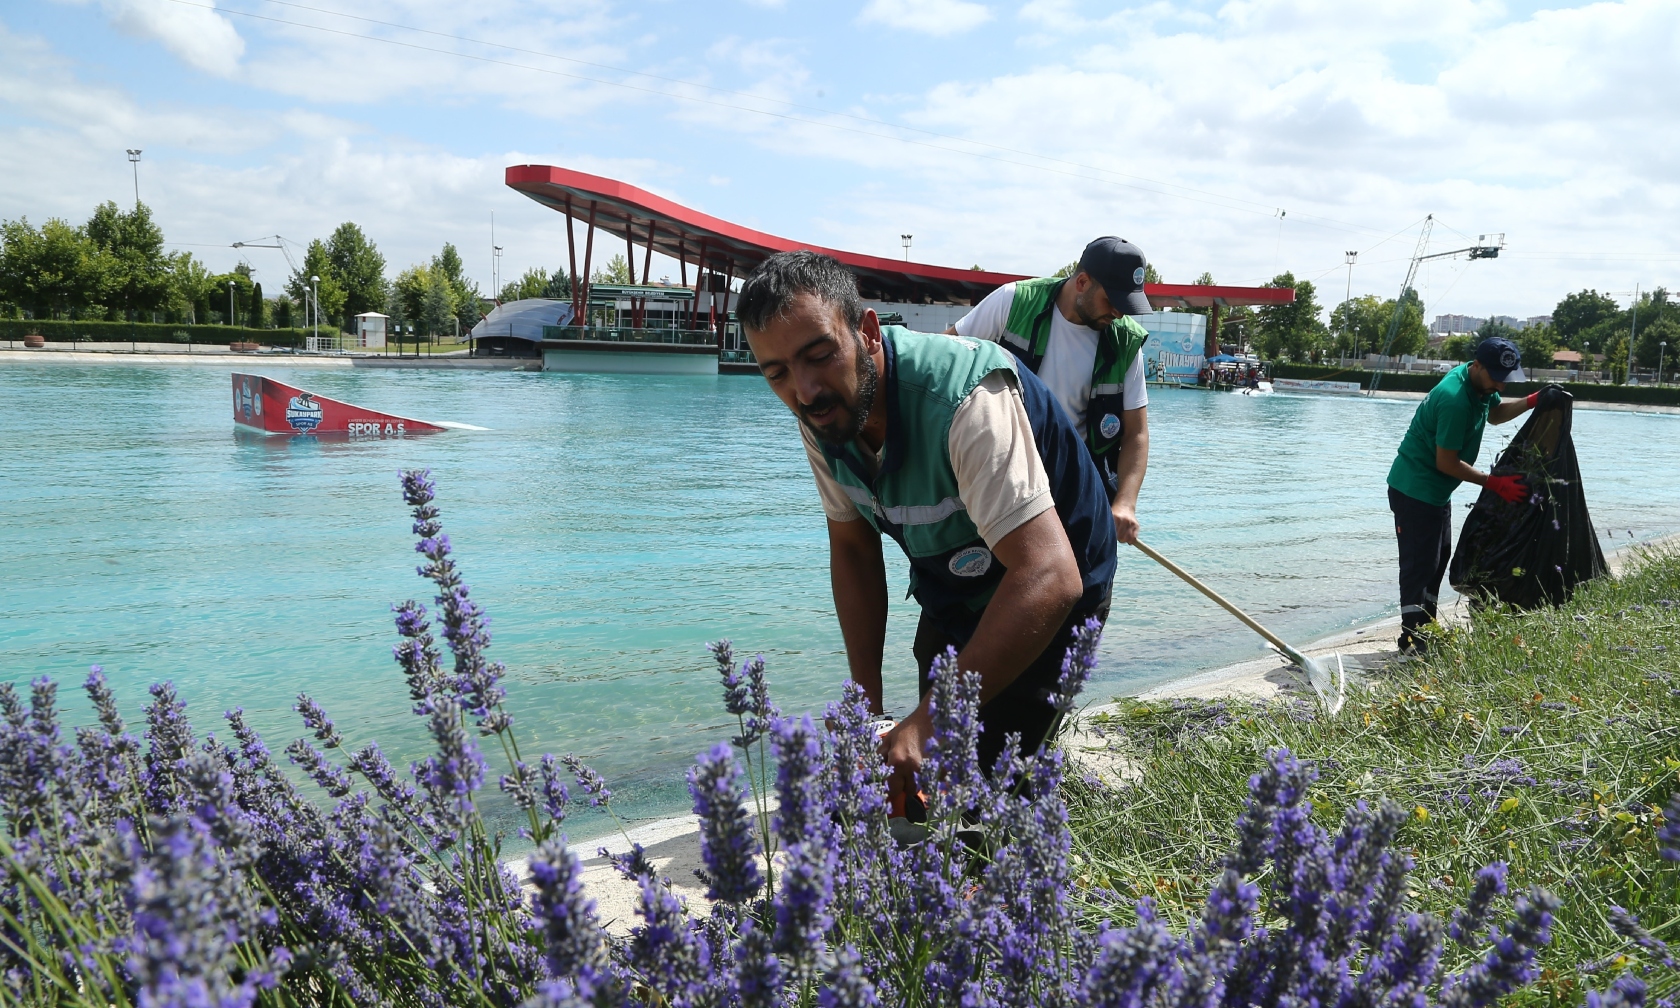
(720, 252)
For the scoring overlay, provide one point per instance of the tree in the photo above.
(1291, 331)
(1359, 325)
(464, 293)
(359, 269)
(317, 263)
(617, 271)
(217, 295)
(559, 286)
(437, 306)
(135, 268)
(1648, 349)
(1459, 347)
(1579, 312)
(256, 320)
(48, 270)
(189, 282)
(282, 311)
(534, 282)
(1537, 343)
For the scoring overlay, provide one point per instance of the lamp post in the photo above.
(231, 319)
(1349, 257)
(134, 159)
(904, 240)
(1586, 356)
(496, 273)
(1662, 348)
(315, 303)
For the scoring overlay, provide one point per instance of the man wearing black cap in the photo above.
(1077, 335)
(1434, 458)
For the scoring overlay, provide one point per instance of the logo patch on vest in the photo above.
(1109, 426)
(971, 562)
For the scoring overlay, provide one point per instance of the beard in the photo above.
(1082, 307)
(850, 415)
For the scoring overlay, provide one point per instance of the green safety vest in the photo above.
(1027, 334)
(913, 498)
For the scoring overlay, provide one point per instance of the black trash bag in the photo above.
(1533, 552)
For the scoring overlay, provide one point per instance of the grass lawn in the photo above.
(1548, 739)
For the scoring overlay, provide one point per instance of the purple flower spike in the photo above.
(1509, 964)
(1668, 837)
(805, 827)
(1626, 991)
(847, 984)
(592, 783)
(572, 935)
(1490, 883)
(728, 843)
(1078, 664)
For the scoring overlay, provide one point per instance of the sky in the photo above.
(1242, 138)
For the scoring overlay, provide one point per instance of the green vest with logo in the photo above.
(913, 498)
(1027, 334)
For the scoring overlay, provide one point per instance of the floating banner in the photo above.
(272, 407)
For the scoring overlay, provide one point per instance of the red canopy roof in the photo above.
(625, 211)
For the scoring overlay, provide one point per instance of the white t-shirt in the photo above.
(1068, 358)
(1001, 481)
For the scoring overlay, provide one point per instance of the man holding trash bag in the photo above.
(963, 458)
(1435, 456)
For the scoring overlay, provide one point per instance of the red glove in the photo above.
(1533, 397)
(1511, 488)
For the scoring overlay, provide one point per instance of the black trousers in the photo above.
(1024, 705)
(1424, 532)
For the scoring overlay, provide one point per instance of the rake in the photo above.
(1330, 692)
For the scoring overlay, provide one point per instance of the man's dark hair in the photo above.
(786, 275)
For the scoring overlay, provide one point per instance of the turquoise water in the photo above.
(612, 525)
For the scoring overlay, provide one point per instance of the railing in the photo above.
(736, 357)
(620, 334)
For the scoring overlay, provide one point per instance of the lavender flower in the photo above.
(728, 843)
(592, 783)
(1077, 665)
(1132, 963)
(1626, 991)
(315, 718)
(457, 770)
(951, 772)
(1490, 883)
(1668, 836)
(1628, 927)
(847, 984)
(804, 825)
(572, 937)
(758, 977)
(666, 950)
(1509, 964)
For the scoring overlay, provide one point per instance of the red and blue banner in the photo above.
(273, 407)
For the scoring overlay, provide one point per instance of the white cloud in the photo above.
(196, 34)
(932, 17)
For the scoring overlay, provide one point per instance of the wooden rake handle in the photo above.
(1190, 579)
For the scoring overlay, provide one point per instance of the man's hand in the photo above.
(1125, 524)
(1511, 488)
(902, 748)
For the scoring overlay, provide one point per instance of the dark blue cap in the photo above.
(1119, 266)
(1501, 358)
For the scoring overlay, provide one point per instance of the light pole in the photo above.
(134, 159)
(1586, 356)
(1662, 348)
(904, 240)
(1349, 257)
(315, 303)
(232, 320)
(496, 273)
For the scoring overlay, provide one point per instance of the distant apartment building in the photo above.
(1445, 325)
(1508, 321)
(1534, 320)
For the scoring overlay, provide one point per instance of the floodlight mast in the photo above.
(279, 243)
(1487, 247)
